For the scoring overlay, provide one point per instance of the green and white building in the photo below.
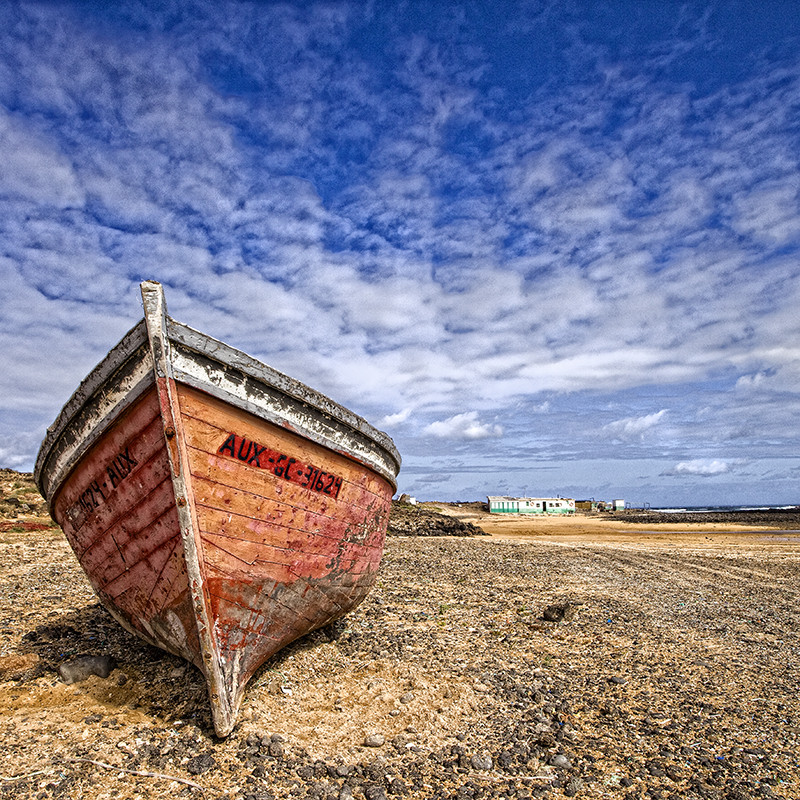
(531, 505)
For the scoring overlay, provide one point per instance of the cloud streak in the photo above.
(701, 467)
(464, 426)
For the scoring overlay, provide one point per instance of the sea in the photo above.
(715, 509)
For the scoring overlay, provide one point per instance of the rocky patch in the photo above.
(419, 520)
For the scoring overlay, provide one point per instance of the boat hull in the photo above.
(219, 509)
(292, 533)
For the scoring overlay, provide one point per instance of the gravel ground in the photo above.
(477, 668)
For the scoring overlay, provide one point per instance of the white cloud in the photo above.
(701, 467)
(390, 420)
(33, 168)
(634, 428)
(464, 426)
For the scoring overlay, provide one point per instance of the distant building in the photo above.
(600, 505)
(531, 505)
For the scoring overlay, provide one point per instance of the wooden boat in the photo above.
(219, 508)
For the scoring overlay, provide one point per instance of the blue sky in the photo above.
(549, 247)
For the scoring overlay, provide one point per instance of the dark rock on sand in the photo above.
(82, 667)
(406, 519)
(559, 612)
(201, 763)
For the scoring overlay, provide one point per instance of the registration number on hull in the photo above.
(281, 465)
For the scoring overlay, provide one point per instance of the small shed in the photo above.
(530, 505)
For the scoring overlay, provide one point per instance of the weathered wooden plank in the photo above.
(116, 470)
(240, 381)
(275, 596)
(319, 553)
(251, 554)
(339, 536)
(228, 472)
(284, 614)
(219, 482)
(117, 509)
(345, 538)
(144, 574)
(225, 499)
(120, 550)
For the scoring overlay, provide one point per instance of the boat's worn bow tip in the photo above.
(224, 717)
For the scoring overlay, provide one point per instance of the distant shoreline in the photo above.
(684, 528)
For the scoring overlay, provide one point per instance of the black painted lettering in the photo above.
(246, 455)
(228, 445)
(263, 457)
(112, 475)
(128, 459)
(257, 451)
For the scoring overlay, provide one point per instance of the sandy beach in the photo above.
(571, 657)
(606, 528)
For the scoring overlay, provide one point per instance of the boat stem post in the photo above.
(155, 313)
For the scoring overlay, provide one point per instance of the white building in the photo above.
(530, 505)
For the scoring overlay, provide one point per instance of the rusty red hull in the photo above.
(211, 530)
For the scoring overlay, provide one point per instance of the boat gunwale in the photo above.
(328, 424)
(49, 480)
(285, 384)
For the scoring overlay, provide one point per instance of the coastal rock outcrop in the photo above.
(417, 520)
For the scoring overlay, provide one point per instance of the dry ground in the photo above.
(674, 674)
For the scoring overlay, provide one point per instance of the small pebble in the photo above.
(481, 762)
(560, 760)
(276, 749)
(200, 764)
(375, 740)
(559, 612)
(574, 785)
